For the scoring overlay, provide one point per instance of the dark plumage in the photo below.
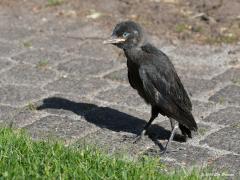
(154, 77)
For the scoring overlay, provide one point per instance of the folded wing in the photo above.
(164, 89)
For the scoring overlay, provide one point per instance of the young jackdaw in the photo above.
(154, 77)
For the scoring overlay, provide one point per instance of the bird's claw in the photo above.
(164, 151)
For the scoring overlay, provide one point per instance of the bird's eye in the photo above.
(125, 34)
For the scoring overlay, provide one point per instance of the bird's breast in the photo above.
(135, 80)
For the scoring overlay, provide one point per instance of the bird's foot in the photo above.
(170, 139)
(139, 137)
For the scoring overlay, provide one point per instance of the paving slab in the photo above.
(26, 74)
(116, 143)
(230, 94)
(40, 57)
(230, 75)
(119, 76)
(81, 86)
(227, 138)
(195, 71)
(87, 66)
(227, 116)
(110, 118)
(185, 155)
(94, 49)
(64, 104)
(122, 95)
(195, 86)
(84, 30)
(14, 33)
(202, 109)
(8, 49)
(16, 95)
(59, 127)
(53, 42)
(5, 64)
(6, 113)
(228, 165)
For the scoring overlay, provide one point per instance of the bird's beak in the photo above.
(114, 40)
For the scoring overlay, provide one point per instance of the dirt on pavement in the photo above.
(200, 21)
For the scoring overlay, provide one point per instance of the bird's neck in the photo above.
(133, 54)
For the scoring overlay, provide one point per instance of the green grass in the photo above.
(23, 158)
(42, 63)
(181, 28)
(228, 39)
(55, 2)
(236, 80)
(31, 106)
(27, 44)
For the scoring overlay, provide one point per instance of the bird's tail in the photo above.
(186, 119)
(185, 131)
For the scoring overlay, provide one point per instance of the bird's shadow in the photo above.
(106, 117)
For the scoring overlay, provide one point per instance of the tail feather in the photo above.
(187, 120)
(185, 131)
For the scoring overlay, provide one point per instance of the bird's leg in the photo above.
(171, 137)
(144, 131)
(173, 122)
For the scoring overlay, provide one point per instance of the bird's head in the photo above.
(126, 35)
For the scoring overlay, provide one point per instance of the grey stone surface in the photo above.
(144, 115)
(231, 75)
(82, 86)
(227, 138)
(202, 109)
(186, 155)
(19, 95)
(195, 86)
(120, 76)
(215, 56)
(4, 63)
(53, 42)
(25, 116)
(13, 33)
(227, 116)
(94, 49)
(84, 30)
(40, 56)
(69, 105)
(161, 130)
(196, 71)
(87, 66)
(26, 74)
(115, 120)
(228, 164)
(229, 94)
(6, 113)
(20, 117)
(61, 127)
(7, 49)
(57, 79)
(116, 143)
(122, 95)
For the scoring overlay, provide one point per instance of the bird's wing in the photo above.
(166, 71)
(164, 89)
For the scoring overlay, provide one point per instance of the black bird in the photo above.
(154, 77)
